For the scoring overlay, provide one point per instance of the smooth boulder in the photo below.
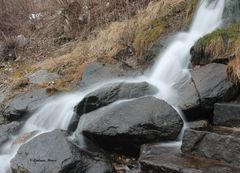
(220, 144)
(124, 127)
(209, 85)
(53, 153)
(25, 103)
(95, 71)
(108, 94)
(227, 114)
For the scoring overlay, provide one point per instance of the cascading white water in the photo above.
(172, 65)
(170, 69)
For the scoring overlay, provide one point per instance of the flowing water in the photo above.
(170, 69)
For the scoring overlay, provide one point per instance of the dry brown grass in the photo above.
(218, 48)
(14, 15)
(234, 65)
(107, 40)
(111, 39)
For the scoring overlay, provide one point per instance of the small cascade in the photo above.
(172, 65)
(169, 70)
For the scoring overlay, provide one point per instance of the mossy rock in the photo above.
(218, 46)
(226, 34)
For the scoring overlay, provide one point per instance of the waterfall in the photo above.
(170, 69)
(172, 65)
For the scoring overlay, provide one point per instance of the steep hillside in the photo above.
(116, 39)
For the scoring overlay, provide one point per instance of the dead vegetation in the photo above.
(138, 33)
(14, 14)
(66, 38)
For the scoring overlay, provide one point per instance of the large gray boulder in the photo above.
(109, 94)
(209, 85)
(53, 153)
(124, 127)
(159, 158)
(25, 103)
(222, 144)
(95, 71)
(227, 114)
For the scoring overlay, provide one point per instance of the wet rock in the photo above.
(95, 71)
(201, 124)
(218, 145)
(42, 76)
(209, 85)
(124, 127)
(108, 94)
(227, 114)
(7, 130)
(200, 56)
(190, 102)
(25, 103)
(169, 159)
(53, 153)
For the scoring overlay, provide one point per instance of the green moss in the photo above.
(21, 70)
(147, 35)
(229, 33)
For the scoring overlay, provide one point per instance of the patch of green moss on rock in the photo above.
(219, 46)
(229, 33)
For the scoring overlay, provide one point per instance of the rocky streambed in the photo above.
(128, 125)
(122, 127)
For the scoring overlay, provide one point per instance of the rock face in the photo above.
(95, 71)
(190, 102)
(208, 86)
(42, 76)
(25, 103)
(169, 159)
(219, 146)
(7, 130)
(52, 152)
(109, 94)
(227, 114)
(124, 127)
